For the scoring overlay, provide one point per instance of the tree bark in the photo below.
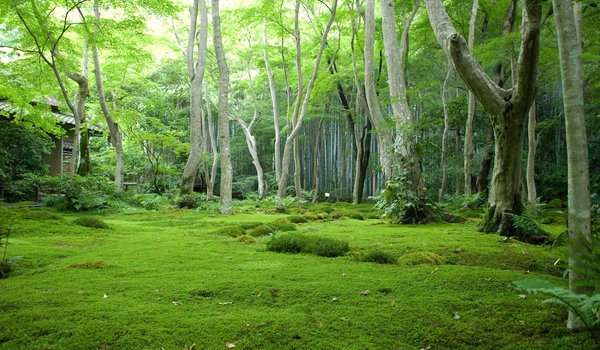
(113, 127)
(275, 106)
(226, 169)
(579, 223)
(383, 134)
(196, 76)
(212, 174)
(531, 150)
(394, 57)
(444, 161)
(299, 114)
(468, 148)
(507, 108)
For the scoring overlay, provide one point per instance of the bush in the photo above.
(261, 230)
(327, 247)
(283, 226)
(357, 216)
(420, 258)
(93, 222)
(245, 239)
(190, 201)
(527, 230)
(232, 231)
(297, 219)
(287, 244)
(379, 257)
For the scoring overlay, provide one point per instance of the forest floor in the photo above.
(173, 280)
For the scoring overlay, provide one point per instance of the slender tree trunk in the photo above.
(275, 106)
(444, 161)
(568, 29)
(316, 165)
(384, 136)
(196, 77)
(212, 174)
(84, 167)
(297, 170)
(468, 148)
(458, 188)
(299, 115)
(113, 127)
(226, 169)
(531, 150)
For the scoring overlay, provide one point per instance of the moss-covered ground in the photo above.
(173, 280)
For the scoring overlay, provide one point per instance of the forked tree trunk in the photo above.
(508, 108)
(226, 169)
(580, 239)
(113, 127)
(395, 54)
(275, 107)
(196, 77)
(300, 113)
(384, 135)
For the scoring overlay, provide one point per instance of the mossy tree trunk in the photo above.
(508, 108)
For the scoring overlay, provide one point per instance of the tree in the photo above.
(569, 46)
(225, 155)
(468, 149)
(196, 77)
(508, 108)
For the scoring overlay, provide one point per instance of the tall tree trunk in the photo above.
(531, 150)
(299, 114)
(275, 106)
(84, 167)
(316, 165)
(444, 161)
(297, 170)
(113, 127)
(569, 46)
(81, 99)
(395, 54)
(384, 135)
(196, 77)
(486, 160)
(226, 169)
(468, 148)
(211, 174)
(508, 108)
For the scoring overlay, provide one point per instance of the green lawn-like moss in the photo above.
(168, 281)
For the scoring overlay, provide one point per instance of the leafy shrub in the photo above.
(287, 244)
(379, 257)
(232, 231)
(283, 226)
(297, 219)
(261, 230)
(357, 216)
(93, 222)
(527, 230)
(282, 205)
(149, 201)
(245, 239)
(421, 258)
(326, 247)
(190, 201)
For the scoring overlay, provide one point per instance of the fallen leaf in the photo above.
(229, 345)
(456, 316)
(364, 293)
(226, 303)
(522, 296)
(334, 299)
(105, 296)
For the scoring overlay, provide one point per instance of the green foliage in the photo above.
(401, 204)
(248, 239)
(232, 231)
(357, 216)
(297, 219)
(261, 230)
(379, 257)
(326, 247)
(283, 226)
(90, 221)
(290, 243)
(190, 201)
(421, 258)
(526, 229)
(586, 307)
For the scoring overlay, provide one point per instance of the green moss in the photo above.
(297, 219)
(283, 226)
(357, 216)
(421, 258)
(91, 265)
(232, 231)
(248, 239)
(261, 230)
(93, 222)
(379, 257)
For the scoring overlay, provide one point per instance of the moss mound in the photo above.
(232, 231)
(261, 230)
(297, 219)
(379, 257)
(248, 239)
(90, 265)
(90, 221)
(283, 226)
(421, 258)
